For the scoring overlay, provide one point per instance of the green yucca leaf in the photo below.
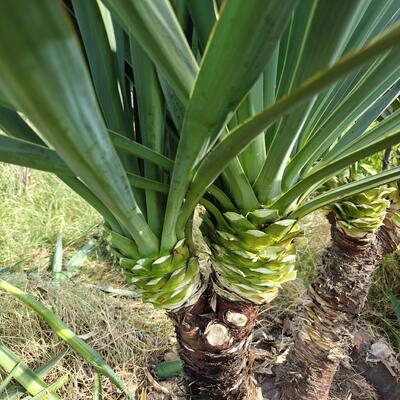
(23, 374)
(215, 161)
(253, 157)
(20, 152)
(204, 15)
(147, 184)
(155, 27)
(383, 75)
(321, 48)
(4, 102)
(342, 192)
(236, 37)
(384, 129)
(100, 51)
(14, 125)
(72, 122)
(223, 200)
(5, 383)
(38, 157)
(247, 104)
(140, 151)
(361, 125)
(126, 247)
(151, 120)
(377, 18)
(307, 184)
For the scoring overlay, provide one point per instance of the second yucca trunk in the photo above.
(337, 295)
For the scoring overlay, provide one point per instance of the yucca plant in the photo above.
(340, 288)
(147, 108)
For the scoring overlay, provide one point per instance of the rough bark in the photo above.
(336, 296)
(214, 336)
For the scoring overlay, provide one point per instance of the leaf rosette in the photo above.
(362, 213)
(251, 255)
(167, 281)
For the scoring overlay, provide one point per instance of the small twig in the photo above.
(155, 384)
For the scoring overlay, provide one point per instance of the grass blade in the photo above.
(57, 264)
(396, 306)
(97, 388)
(393, 330)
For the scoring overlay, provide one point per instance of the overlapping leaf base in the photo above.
(167, 281)
(363, 213)
(251, 256)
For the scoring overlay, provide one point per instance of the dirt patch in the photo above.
(351, 385)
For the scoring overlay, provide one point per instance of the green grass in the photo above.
(32, 215)
(379, 306)
(128, 334)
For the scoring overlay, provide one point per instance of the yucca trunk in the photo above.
(214, 336)
(337, 296)
(250, 257)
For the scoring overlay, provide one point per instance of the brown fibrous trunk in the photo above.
(214, 337)
(336, 297)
